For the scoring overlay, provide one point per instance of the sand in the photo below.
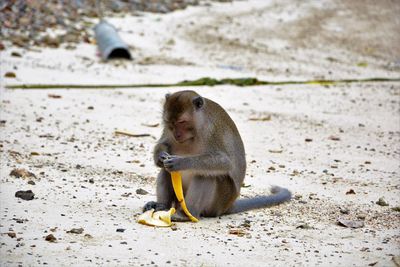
(336, 147)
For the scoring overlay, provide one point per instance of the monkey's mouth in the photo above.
(183, 135)
(183, 140)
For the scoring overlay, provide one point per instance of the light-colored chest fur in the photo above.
(183, 150)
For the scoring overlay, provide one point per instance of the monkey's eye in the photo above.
(198, 102)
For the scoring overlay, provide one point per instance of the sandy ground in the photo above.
(336, 147)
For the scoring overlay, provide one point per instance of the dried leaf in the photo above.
(151, 125)
(130, 134)
(22, 173)
(264, 118)
(334, 138)
(10, 75)
(54, 96)
(275, 151)
(238, 232)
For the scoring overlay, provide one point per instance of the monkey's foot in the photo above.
(180, 217)
(155, 205)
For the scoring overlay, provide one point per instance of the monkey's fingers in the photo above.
(163, 156)
(175, 163)
(177, 185)
(170, 164)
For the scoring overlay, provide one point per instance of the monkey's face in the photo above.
(182, 128)
(180, 115)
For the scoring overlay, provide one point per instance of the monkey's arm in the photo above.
(161, 152)
(208, 163)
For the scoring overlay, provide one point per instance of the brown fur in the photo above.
(202, 142)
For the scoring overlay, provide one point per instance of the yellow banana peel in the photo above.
(163, 218)
(176, 178)
(159, 218)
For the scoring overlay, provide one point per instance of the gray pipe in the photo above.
(109, 43)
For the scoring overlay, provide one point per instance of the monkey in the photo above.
(200, 140)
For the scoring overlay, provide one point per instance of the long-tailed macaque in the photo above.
(202, 142)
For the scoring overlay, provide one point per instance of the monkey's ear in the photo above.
(167, 96)
(198, 102)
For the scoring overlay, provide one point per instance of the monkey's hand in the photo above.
(161, 157)
(175, 163)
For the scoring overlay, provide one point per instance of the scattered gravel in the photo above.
(27, 23)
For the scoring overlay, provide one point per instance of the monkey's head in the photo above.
(182, 112)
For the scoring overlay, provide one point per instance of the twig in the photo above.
(131, 134)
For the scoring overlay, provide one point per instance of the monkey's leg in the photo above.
(199, 198)
(216, 196)
(165, 193)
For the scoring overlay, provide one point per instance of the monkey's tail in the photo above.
(279, 195)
